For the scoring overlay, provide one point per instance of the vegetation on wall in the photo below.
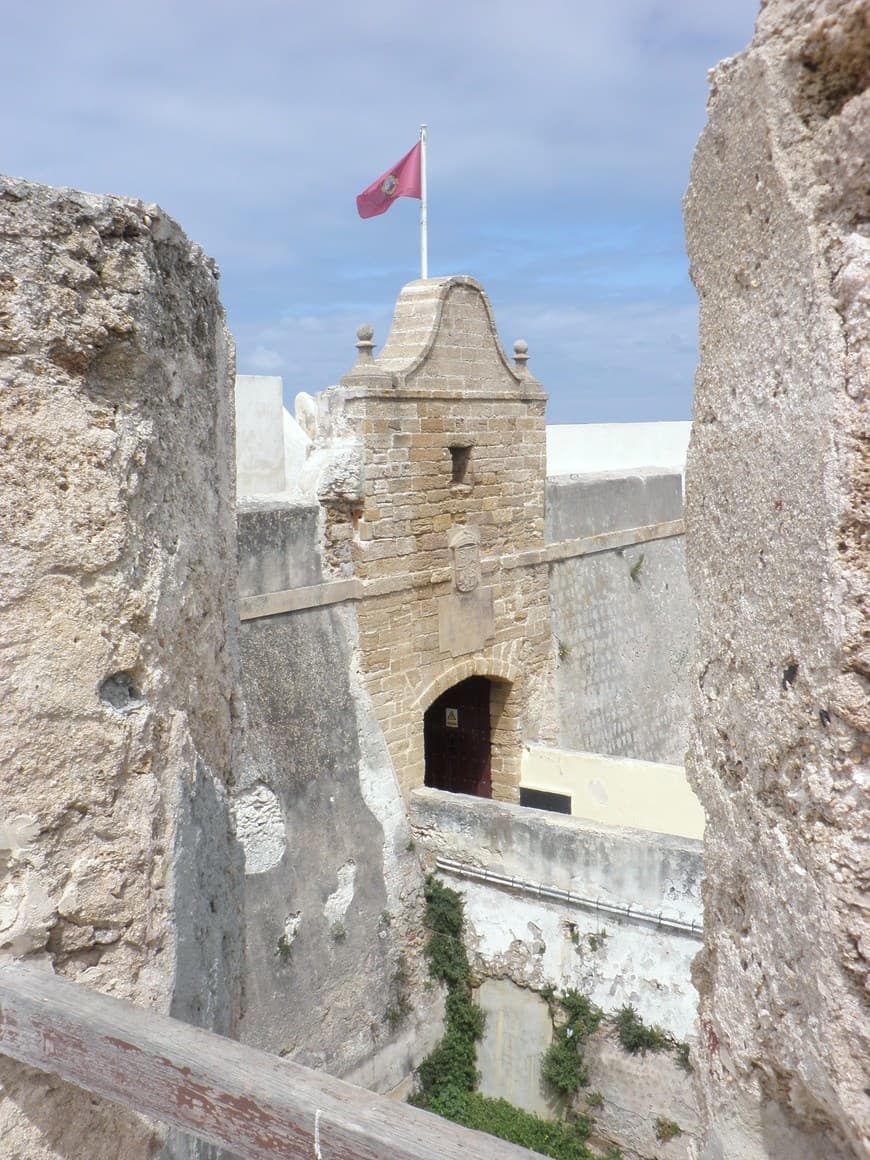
(681, 1050)
(667, 1129)
(449, 1071)
(399, 1007)
(637, 1037)
(562, 1066)
(448, 1076)
(564, 1141)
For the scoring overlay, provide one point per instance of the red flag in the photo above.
(403, 180)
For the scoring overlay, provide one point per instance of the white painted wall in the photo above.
(618, 791)
(535, 942)
(580, 448)
(271, 447)
(527, 935)
(259, 435)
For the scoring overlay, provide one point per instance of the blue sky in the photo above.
(560, 140)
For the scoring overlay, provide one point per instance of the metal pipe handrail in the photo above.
(554, 894)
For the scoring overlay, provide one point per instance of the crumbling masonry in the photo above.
(117, 631)
(778, 505)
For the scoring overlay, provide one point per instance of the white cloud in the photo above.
(263, 360)
(558, 133)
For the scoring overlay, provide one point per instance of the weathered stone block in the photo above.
(777, 511)
(118, 629)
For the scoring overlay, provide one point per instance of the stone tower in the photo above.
(438, 512)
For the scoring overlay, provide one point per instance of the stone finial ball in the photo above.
(365, 333)
(521, 346)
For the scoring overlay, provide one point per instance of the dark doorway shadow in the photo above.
(457, 740)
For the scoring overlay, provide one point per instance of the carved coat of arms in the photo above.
(464, 545)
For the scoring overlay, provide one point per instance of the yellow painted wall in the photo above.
(617, 791)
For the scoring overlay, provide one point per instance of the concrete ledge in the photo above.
(274, 558)
(297, 599)
(591, 545)
(406, 394)
(622, 866)
(595, 503)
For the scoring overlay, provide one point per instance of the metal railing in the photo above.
(569, 898)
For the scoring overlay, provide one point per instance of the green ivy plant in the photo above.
(450, 1068)
(448, 1076)
(562, 1066)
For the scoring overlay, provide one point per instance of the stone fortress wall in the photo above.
(332, 889)
(347, 638)
(621, 617)
(128, 804)
(118, 634)
(777, 507)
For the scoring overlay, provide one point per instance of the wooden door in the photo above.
(457, 739)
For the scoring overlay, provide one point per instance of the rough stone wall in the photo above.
(117, 605)
(535, 940)
(333, 893)
(777, 507)
(621, 618)
(523, 942)
(443, 381)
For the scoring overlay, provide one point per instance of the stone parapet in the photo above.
(778, 495)
(616, 865)
(118, 631)
(589, 504)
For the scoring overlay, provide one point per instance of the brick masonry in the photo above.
(443, 382)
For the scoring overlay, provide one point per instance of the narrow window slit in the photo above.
(460, 459)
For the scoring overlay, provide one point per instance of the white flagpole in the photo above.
(424, 238)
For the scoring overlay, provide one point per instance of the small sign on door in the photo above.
(451, 718)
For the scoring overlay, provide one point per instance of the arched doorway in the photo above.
(456, 738)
